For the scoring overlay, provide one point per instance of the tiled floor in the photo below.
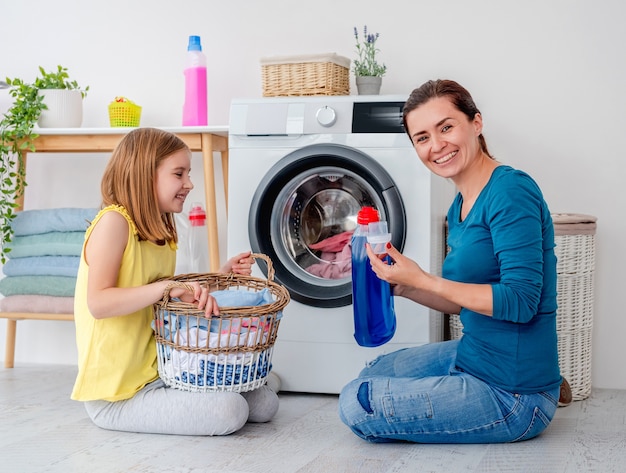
(42, 430)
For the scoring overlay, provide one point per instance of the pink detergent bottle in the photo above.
(195, 106)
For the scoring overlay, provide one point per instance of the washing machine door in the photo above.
(304, 212)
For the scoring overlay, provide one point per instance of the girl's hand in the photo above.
(240, 264)
(199, 296)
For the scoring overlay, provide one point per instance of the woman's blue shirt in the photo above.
(507, 241)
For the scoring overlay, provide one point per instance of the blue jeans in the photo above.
(418, 395)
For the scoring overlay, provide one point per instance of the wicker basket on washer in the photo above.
(316, 74)
(227, 352)
(574, 235)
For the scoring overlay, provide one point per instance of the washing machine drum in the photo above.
(304, 212)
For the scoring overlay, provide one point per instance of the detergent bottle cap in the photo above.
(197, 215)
(194, 44)
(378, 236)
(367, 215)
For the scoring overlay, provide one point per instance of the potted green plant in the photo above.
(368, 72)
(17, 135)
(63, 99)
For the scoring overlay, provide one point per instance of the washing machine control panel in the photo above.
(326, 116)
(339, 115)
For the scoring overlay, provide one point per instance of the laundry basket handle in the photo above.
(172, 285)
(189, 287)
(268, 261)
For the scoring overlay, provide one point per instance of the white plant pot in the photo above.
(368, 85)
(5, 101)
(65, 108)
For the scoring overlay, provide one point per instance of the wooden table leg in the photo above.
(225, 174)
(211, 205)
(9, 353)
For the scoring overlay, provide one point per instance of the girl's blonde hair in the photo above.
(130, 177)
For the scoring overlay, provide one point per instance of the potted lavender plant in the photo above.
(368, 72)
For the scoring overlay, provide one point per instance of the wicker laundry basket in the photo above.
(574, 235)
(315, 74)
(228, 352)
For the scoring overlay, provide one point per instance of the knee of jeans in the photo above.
(364, 398)
(357, 390)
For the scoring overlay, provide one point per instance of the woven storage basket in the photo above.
(320, 74)
(229, 352)
(574, 235)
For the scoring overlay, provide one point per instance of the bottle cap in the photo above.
(367, 215)
(377, 228)
(197, 215)
(378, 237)
(379, 243)
(194, 44)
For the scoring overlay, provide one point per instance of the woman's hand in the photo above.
(443, 295)
(240, 264)
(402, 271)
(200, 296)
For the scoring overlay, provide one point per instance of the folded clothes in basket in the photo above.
(173, 322)
(211, 370)
(242, 298)
(182, 358)
(199, 337)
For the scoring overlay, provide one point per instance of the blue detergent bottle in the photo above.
(372, 300)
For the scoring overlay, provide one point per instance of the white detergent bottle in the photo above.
(198, 240)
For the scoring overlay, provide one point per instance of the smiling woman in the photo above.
(499, 275)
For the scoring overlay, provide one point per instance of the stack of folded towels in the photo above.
(40, 273)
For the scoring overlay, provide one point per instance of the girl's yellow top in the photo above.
(117, 355)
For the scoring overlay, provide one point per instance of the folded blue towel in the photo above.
(47, 244)
(42, 266)
(42, 285)
(34, 222)
(242, 298)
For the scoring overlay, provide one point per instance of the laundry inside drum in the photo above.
(319, 221)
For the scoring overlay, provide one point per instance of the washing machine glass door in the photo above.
(304, 213)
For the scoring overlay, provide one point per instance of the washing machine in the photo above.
(300, 168)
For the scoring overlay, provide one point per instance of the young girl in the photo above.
(129, 248)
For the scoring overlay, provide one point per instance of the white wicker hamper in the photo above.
(574, 236)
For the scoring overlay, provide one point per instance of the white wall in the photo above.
(548, 76)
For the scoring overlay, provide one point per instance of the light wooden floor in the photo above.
(42, 430)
